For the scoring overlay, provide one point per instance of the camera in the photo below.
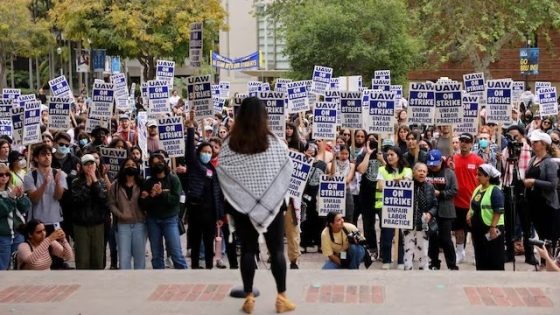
(356, 238)
(539, 243)
(514, 147)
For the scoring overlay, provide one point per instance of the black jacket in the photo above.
(90, 202)
(427, 190)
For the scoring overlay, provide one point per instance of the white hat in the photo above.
(540, 136)
(87, 158)
(208, 128)
(490, 170)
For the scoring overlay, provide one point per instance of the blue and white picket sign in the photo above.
(32, 123)
(541, 84)
(350, 83)
(474, 83)
(59, 87)
(470, 115)
(548, 101)
(225, 88)
(381, 84)
(195, 44)
(215, 88)
(6, 127)
(281, 85)
(165, 71)
(381, 113)
(102, 96)
(334, 84)
(171, 135)
(11, 94)
(300, 173)
(382, 74)
(351, 109)
(200, 96)
(332, 195)
(298, 97)
(449, 107)
(143, 134)
(113, 158)
(310, 95)
(120, 91)
(17, 124)
(237, 100)
(6, 109)
(498, 101)
(275, 104)
(59, 113)
(219, 103)
(398, 205)
(517, 89)
(24, 99)
(421, 103)
(321, 79)
(265, 87)
(324, 121)
(93, 122)
(253, 88)
(333, 96)
(398, 90)
(158, 98)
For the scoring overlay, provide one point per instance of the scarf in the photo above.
(256, 184)
(342, 168)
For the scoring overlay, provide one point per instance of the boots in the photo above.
(283, 304)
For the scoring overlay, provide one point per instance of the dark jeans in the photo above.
(522, 213)
(489, 255)
(202, 226)
(230, 247)
(387, 235)
(312, 227)
(357, 209)
(367, 205)
(248, 237)
(442, 240)
(110, 236)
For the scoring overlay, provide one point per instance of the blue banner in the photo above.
(98, 60)
(529, 61)
(247, 62)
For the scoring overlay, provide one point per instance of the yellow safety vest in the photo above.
(486, 211)
(406, 172)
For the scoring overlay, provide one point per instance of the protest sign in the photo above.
(215, 88)
(23, 99)
(517, 89)
(449, 108)
(144, 92)
(225, 87)
(281, 85)
(548, 101)
(6, 127)
(158, 98)
(381, 84)
(120, 93)
(350, 83)
(17, 124)
(200, 96)
(332, 195)
(498, 101)
(195, 45)
(143, 134)
(171, 135)
(300, 173)
(59, 113)
(334, 84)
(219, 103)
(102, 100)
(382, 74)
(541, 84)
(113, 158)
(351, 110)
(398, 205)
(381, 113)
(298, 100)
(253, 88)
(397, 89)
(474, 83)
(265, 87)
(321, 79)
(470, 116)
(165, 71)
(31, 123)
(333, 96)
(93, 122)
(324, 121)
(6, 109)
(59, 87)
(11, 94)
(310, 95)
(421, 103)
(274, 102)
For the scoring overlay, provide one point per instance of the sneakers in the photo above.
(220, 264)
(386, 266)
(400, 267)
(168, 263)
(460, 253)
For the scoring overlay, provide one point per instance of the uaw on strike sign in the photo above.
(398, 205)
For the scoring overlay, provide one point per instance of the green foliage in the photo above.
(352, 36)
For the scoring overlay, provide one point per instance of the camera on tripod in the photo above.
(514, 147)
(539, 243)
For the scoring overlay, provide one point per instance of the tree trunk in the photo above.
(31, 74)
(38, 72)
(3, 79)
(12, 67)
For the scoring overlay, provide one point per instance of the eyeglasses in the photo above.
(64, 145)
(4, 174)
(546, 122)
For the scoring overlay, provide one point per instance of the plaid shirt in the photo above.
(523, 164)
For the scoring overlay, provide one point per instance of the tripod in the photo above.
(512, 161)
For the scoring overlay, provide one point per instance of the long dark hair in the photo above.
(121, 176)
(401, 164)
(249, 134)
(295, 140)
(28, 228)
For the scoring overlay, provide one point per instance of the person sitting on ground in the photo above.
(336, 246)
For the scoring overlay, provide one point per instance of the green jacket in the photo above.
(166, 204)
(12, 212)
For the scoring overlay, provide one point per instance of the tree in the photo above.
(353, 37)
(141, 29)
(476, 30)
(19, 35)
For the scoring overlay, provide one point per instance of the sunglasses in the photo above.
(4, 174)
(546, 122)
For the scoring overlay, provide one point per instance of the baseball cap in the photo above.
(151, 123)
(466, 137)
(540, 136)
(387, 142)
(434, 158)
(208, 128)
(123, 117)
(87, 158)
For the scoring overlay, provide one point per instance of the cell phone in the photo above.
(372, 145)
(498, 232)
(57, 225)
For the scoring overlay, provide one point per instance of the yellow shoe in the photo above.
(283, 304)
(249, 304)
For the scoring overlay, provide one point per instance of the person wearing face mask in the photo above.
(18, 168)
(205, 209)
(160, 198)
(123, 202)
(485, 148)
(99, 135)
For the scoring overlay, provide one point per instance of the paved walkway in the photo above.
(314, 291)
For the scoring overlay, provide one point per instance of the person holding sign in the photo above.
(336, 246)
(395, 169)
(425, 208)
(486, 219)
(254, 173)
(346, 169)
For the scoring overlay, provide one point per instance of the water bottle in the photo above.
(218, 244)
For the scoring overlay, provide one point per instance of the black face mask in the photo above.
(131, 171)
(158, 168)
(424, 149)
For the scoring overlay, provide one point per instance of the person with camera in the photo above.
(340, 244)
(551, 264)
(515, 160)
(486, 219)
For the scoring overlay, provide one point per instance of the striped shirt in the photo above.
(39, 258)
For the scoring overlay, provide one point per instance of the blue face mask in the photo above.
(63, 150)
(483, 143)
(205, 157)
(84, 142)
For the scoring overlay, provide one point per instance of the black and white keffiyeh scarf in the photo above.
(256, 184)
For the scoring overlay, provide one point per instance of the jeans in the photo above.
(165, 228)
(356, 255)
(7, 247)
(387, 235)
(131, 240)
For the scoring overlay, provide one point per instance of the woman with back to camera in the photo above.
(254, 174)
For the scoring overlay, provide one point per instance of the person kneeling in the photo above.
(335, 244)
